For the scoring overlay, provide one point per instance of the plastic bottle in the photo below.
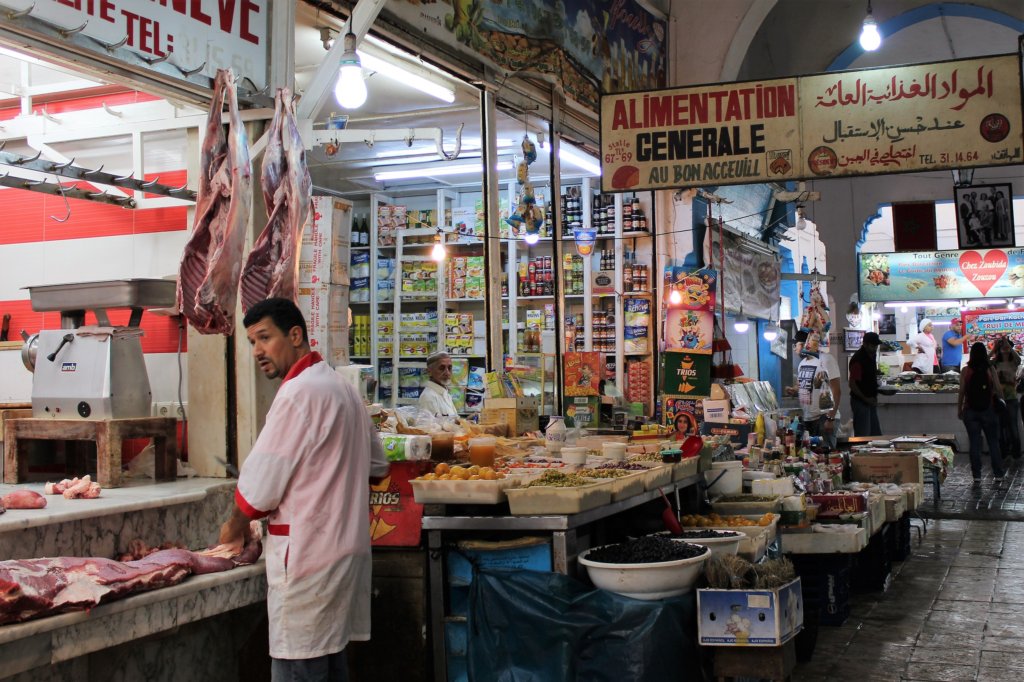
(554, 434)
(759, 429)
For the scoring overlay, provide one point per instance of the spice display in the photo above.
(558, 479)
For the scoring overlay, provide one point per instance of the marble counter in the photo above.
(187, 511)
(50, 641)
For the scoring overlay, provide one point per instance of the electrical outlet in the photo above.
(169, 409)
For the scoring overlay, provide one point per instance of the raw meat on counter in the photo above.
(74, 488)
(23, 499)
(212, 260)
(272, 268)
(31, 588)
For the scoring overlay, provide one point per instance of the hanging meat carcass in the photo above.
(272, 269)
(212, 261)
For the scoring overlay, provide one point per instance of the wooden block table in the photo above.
(764, 663)
(107, 435)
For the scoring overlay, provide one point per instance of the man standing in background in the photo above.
(952, 347)
(864, 387)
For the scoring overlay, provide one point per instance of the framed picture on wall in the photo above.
(887, 324)
(984, 216)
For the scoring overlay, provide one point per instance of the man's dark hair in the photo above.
(800, 337)
(282, 312)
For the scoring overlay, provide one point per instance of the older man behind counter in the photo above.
(435, 398)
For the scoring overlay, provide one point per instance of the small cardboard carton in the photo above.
(716, 411)
(897, 467)
(520, 414)
(750, 617)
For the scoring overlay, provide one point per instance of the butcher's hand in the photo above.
(232, 533)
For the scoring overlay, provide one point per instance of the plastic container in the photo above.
(554, 434)
(481, 450)
(724, 478)
(574, 455)
(615, 452)
(646, 581)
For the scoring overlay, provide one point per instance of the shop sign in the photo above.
(955, 114)
(727, 134)
(942, 275)
(687, 374)
(591, 46)
(188, 33)
(988, 325)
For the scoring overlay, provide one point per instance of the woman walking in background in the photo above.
(1006, 362)
(979, 389)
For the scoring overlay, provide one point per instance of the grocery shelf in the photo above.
(534, 298)
(636, 234)
(359, 248)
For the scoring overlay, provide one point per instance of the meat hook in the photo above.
(67, 205)
(154, 60)
(61, 166)
(145, 185)
(97, 195)
(68, 32)
(33, 183)
(458, 143)
(191, 72)
(124, 178)
(93, 172)
(18, 15)
(27, 160)
(112, 112)
(176, 190)
(113, 46)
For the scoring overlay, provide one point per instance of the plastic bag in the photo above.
(545, 627)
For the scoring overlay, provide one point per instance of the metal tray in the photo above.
(117, 293)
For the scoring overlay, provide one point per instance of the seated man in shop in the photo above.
(435, 397)
(952, 347)
(817, 373)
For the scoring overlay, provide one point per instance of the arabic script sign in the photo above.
(927, 117)
(957, 114)
(942, 275)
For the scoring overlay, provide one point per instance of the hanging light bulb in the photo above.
(903, 309)
(350, 90)
(870, 38)
(770, 333)
(675, 298)
(438, 253)
(741, 324)
(531, 238)
(801, 223)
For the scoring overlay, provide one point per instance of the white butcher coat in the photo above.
(435, 399)
(309, 473)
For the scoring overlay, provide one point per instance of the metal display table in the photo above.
(564, 548)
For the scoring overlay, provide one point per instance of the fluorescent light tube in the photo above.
(438, 171)
(579, 159)
(406, 77)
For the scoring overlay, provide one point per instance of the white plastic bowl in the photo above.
(729, 545)
(574, 455)
(646, 581)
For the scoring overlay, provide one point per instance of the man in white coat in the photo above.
(309, 473)
(435, 398)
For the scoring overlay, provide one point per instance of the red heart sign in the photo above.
(983, 271)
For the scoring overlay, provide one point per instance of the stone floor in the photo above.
(955, 609)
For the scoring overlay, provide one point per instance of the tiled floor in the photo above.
(955, 610)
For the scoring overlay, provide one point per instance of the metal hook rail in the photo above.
(97, 176)
(8, 180)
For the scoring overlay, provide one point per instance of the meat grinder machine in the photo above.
(92, 372)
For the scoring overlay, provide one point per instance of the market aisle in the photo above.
(953, 612)
(961, 499)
